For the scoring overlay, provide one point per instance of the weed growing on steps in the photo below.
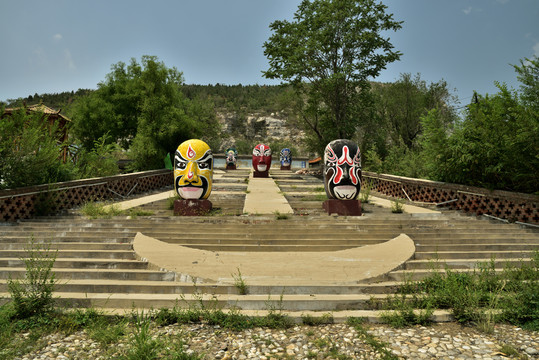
(95, 210)
(32, 294)
(171, 200)
(280, 216)
(239, 283)
(481, 297)
(365, 193)
(397, 206)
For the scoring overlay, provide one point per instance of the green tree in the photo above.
(328, 53)
(29, 151)
(402, 104)
(141, 106)
(496, 146)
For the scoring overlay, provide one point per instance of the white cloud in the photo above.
(38, 57)
(57, 37)
(467, 11)
(69, 60)
(536, 49)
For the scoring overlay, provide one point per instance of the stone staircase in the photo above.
(97, 266)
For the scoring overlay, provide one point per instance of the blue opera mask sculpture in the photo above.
(286, 159)
(193, 170)
(231, 158)
(342, 170)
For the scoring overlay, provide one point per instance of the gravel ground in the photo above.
(336, 341)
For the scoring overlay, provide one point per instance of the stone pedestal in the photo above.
(287, 167)
(192, 207)
(230, 167)
(342, 207)
(261, 174)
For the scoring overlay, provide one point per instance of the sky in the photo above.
(51, 46)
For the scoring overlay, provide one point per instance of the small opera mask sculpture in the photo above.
(286, 158)
(342, 170)
(231, 158)
(262, 158)
(193, 170)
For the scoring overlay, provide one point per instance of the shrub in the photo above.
(32, 295)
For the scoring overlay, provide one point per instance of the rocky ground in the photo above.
(336, 341)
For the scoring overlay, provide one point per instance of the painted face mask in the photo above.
(193, 170)
(231, 156)
(261, 158)
(342, 170)
(286, 157)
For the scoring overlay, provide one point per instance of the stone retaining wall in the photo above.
(23, 203)
(506, 205)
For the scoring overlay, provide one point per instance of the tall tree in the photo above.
(328, 53)
(141, 107)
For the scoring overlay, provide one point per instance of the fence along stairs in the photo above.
(97, 266)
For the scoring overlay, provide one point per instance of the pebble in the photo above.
(440, 341)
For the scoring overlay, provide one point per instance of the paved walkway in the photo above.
(265, 197)
(290, 268)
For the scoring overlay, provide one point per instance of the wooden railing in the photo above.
(509, 206)
(23, 203)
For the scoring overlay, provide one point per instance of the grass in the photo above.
(397, 206)
(280, 216)
(239, 283)
(481, 297)
(97, 210)
(377, 345)
(365, 193)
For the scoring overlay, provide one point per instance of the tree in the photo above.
(329, 53)
(142, 107)
(402, 103)
(29, 151)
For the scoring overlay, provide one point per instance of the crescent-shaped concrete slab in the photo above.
(277, 268)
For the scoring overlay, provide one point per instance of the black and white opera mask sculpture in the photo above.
(342, 170)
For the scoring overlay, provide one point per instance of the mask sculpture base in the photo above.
(342, 178)
(192, 207)
(342, 207)
(230, 167)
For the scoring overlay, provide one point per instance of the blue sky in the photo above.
(62, 45)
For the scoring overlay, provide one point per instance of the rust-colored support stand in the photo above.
(192, 207)
(230, 167)
(342, 207)
(287, 167)
(261, 174)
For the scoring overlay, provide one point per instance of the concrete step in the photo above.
(81, 246)
(487, 255)
(83, 264)
(428, 264)
(70, 254)
(315, 302)
(275, 242)
(269, 248)
(502, 246)
(73, 239)
(95, 274)
(172, 287)
(420, 274)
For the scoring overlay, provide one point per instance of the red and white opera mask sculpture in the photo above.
(262, 158)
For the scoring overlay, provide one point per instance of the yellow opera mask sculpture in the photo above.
(193, 170)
